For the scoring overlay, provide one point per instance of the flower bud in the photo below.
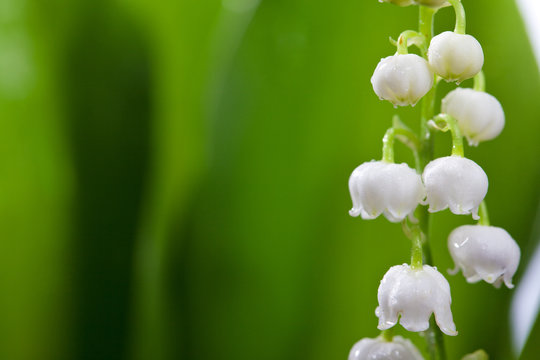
(380, 187)
(484, 253)
(455, 57)
(432, 3)
(412, 295)
(455, 182)
(399, 2)
(378, 348)
(479, 115)
(402, 79)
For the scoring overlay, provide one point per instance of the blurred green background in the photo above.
(173, 177)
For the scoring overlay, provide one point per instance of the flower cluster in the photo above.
(396, 190)
(411, 293)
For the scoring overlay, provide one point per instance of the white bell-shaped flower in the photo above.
(412, 295)
(380, 187)
(484, 253)
(455, 57)
(432, 3)
(479, 115)
(402, 79)
(455, 182)
(399, 2)
(380, 349)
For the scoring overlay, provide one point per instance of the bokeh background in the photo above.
(173, 177)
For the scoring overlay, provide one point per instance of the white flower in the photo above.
(479, 115)
(455, 182)
(399, 2)
(402, 79)
(414, 294)
(380, 349)
(455, 57)
(379, 187)
(484, 253)
(432, 3)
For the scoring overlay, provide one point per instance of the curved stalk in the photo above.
(484, 216)
(460, 16)
(480, 82)
(457, 138)
(404, 135)
(413, 232)
(410, 37)
(388, 146)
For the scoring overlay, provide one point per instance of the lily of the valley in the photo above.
(455, 182)
(484, 253)
(380, 187)
(402, 79)
(412, 295)
(455, 57)
(479, 115)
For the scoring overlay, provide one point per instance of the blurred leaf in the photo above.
(36, 186)
(526, 301)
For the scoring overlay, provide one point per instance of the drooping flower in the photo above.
(479, 115)
(380, 187)
(455, 57)
(399, 2)
(455, 182)
(484, 253)
(412, 295)
(402, 79)
(380, 349)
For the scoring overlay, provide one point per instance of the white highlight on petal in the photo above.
(379, 187)
(412, 295)
(456, 183)
(479, 115)
(380, 349)
(455, 57)
(484, 253)
(402, 79)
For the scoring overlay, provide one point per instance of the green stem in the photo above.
(403, 42)
(388, 334)
(403, 134)
(460, 16)
(434, 337)
(457, 138)
(414, 233)
(417, 253)
(480, 82)
(484, 216)
(388, 146)
(408, 138)
(437, 337)
(428, 101)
